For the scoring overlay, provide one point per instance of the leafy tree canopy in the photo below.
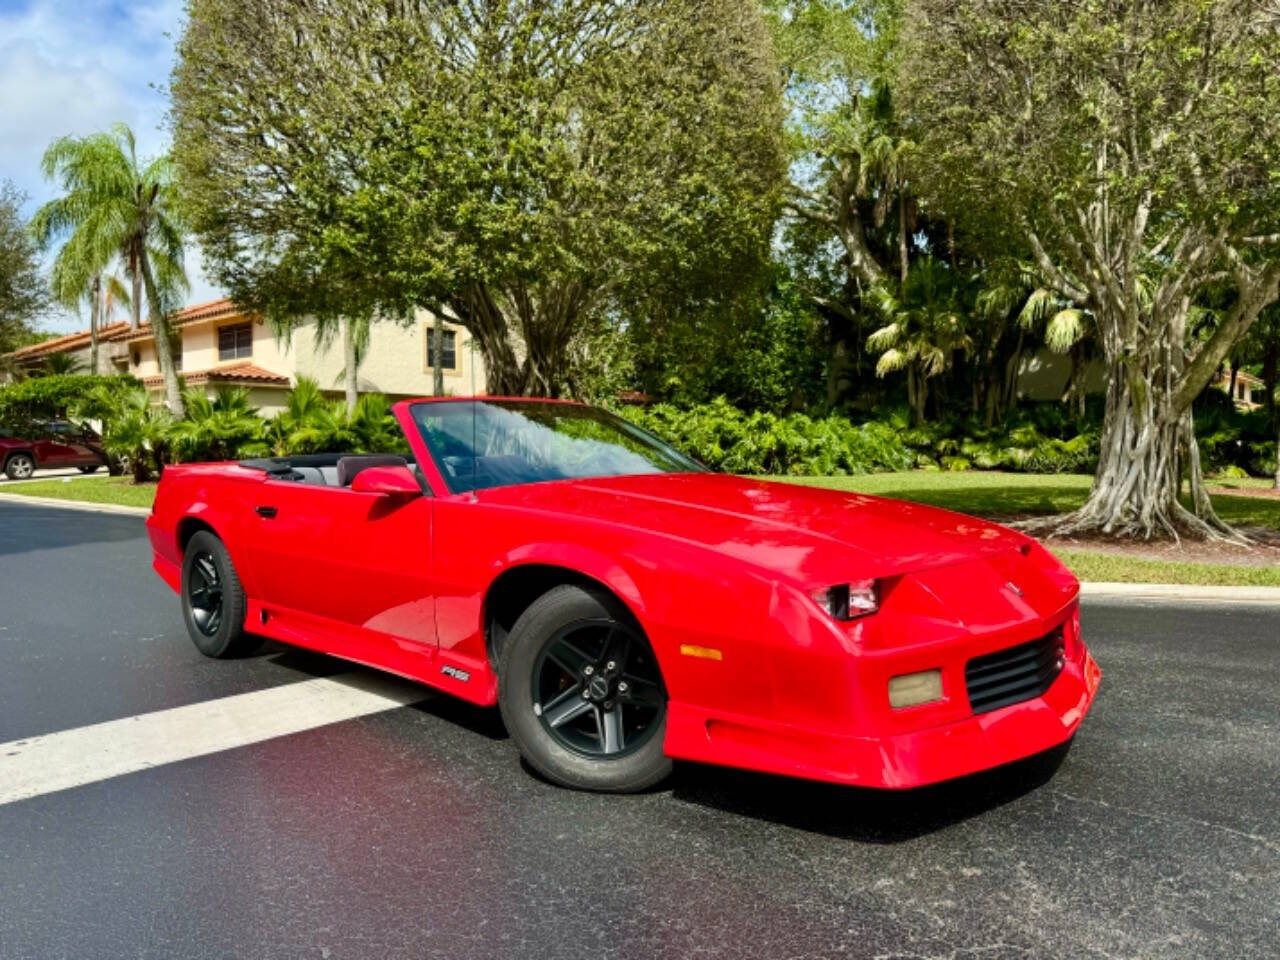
(522, 166)
(24, 293)
(1132, 145)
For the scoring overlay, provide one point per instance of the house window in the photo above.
(450, 349)
(235, 341)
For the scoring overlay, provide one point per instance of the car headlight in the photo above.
(848, 601)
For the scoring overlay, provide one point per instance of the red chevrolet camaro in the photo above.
(623, 606)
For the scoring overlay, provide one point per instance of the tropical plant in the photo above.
(134, 431)
(61, 363)
(223, 427)
(312, 423)
(924, 327)
(726, 438)
(115, 206)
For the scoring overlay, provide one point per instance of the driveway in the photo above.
(413, 831)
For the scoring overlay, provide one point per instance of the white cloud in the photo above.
(73, 68)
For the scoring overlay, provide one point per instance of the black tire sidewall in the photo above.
(230, 639)
(552, 611)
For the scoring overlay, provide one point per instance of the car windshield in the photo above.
(495, 443)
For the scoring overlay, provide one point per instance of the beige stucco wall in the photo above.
(395, 361)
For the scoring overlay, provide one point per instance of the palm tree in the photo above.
(924, 328)
(115, 206)
(73, 281)
(216, 428)
(57, 363)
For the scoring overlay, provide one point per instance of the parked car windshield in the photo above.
(495, 443)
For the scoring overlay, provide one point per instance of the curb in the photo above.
(74, 504)
(1179, 593)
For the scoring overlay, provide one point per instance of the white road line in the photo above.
(71, 758)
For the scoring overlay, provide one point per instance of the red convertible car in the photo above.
(624, 607)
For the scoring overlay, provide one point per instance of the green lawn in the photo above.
(117, 490)
(1117, 568)
(987, 494)
(995, 494)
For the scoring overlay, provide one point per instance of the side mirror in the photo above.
(396, 482)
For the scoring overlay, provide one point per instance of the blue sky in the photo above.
(75, 67)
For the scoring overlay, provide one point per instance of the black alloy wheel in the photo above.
(204, 593)
(597, 690)
(581, 692)
(213, 601)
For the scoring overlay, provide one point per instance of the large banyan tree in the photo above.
(524, 167)
(1133, 146)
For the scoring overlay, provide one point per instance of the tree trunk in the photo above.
(1135, 490)
(135, 305)
(1278, 458)
(350, 365)
(902, 237)
(164, 343)
(95, 305)
(437, 348)
(1270, 362)
(1231, 383)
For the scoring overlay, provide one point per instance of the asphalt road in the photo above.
(415, 832)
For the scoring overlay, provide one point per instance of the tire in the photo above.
(89, 469)
(213, 601)
(20, 466)
(577, 720)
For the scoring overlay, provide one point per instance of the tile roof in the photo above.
(70, 341)
(231, 373)
(210, 310)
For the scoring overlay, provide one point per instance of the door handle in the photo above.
(268, 512)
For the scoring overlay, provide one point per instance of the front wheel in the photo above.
(213, 602)
(581, 693)
(20, 466)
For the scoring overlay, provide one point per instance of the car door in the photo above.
(349, 569)
(86, 446)
(52, 448)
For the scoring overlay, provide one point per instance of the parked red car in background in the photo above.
(50, 444)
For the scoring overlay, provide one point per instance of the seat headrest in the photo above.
(348, 467)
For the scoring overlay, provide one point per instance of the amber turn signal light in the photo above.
(913, 689)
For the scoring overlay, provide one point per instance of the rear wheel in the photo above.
(91, 468)
(213, 602)
(19, 466)
(581, 693)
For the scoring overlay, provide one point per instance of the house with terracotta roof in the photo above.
(1245, 390)
(219, 344)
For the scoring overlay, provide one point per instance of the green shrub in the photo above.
(226, 427)
(55, 397)
(311, 423)
(726, 438)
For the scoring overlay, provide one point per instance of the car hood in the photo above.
(813, 534)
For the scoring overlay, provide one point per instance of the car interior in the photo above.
(326, 469)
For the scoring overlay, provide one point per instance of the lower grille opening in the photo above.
(1019, 673)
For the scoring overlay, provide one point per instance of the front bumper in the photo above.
(898, 760)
